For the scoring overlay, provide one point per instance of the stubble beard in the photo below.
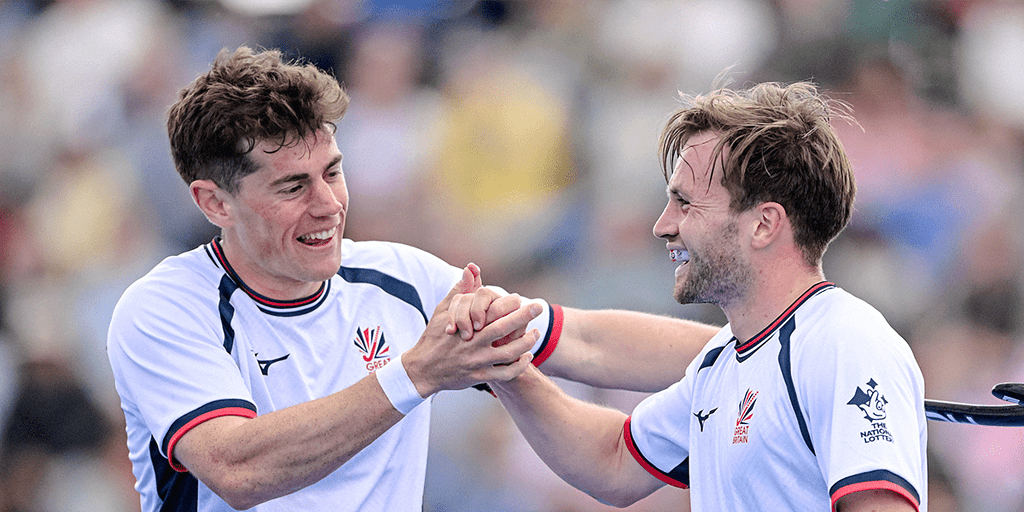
(717, 276)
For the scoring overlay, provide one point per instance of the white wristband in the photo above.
(540, 323)
(397, 385)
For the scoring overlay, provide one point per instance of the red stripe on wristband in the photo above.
(557, 317)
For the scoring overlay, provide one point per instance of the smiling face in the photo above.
(702, 231)
(283, 228)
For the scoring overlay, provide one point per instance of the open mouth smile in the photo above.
(317, 239)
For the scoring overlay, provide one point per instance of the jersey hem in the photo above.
(899, 489)
(228, 411)
(644, 463)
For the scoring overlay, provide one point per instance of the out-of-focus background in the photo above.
(521, 135)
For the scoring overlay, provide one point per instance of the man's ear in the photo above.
(213, 201)
(772, 221)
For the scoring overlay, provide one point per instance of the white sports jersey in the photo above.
(825, 401)
(190, 341)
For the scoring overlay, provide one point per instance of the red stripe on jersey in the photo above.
(876, 484)
(227, 411)
(557, 317)
(657, 473)
(785, 314)
(219, 252)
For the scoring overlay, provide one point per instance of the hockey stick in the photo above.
(990, 415)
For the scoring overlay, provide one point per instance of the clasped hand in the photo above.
(475, 335)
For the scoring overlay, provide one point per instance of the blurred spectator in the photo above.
(386, 135)
(519, 134)
(503, 163)
(52, 447)
(915, 167)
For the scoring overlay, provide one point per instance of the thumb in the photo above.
(469, 282)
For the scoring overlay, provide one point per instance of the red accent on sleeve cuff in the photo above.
(877, 484)
(633, 450)
(228, 411)
(557, 317)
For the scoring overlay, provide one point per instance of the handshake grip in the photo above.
(548, 322)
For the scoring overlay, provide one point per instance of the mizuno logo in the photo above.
(265, 363)
(701, 417)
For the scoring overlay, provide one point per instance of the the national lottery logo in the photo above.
(746, 412)
(374, 347)
(872, 403)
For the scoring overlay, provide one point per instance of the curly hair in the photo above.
(247, 97)
(776, 143)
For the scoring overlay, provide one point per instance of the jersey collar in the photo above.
(746, 349)
(267, 304)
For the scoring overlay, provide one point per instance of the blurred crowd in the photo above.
(520, 135)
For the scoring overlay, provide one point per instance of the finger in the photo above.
(515, 348)
(467, 284)
(484, 301)
(509, 323)
(518, 333)
(511, 370)
(503, 306)
(475, 270)
(458, 315)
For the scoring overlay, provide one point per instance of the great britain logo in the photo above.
(746, 413)
(374, 347)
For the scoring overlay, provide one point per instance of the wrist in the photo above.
(549, 323)
(398, 386)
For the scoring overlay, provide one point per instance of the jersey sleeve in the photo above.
(170, 362)
(864, 395)
(657, 433)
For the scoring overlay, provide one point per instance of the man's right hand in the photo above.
(498, 351)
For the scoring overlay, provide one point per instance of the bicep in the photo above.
(626, 349)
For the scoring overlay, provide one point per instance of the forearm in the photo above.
(625, 349)
(581, 442)
(250, 461)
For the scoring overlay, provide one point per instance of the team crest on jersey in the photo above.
(872, 403)
(374, 347)
(746, 413)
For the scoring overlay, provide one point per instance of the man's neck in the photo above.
(768, 299)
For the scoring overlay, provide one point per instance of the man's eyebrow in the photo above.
(334, 161)
(289, 179)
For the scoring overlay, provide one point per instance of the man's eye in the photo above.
(293, 190)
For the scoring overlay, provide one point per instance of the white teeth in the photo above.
(679, 255)
(323, 235)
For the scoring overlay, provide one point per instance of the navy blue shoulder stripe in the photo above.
(392, 286)
(711, 357)
(227, 311)
(178, 492)
(786, 365)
